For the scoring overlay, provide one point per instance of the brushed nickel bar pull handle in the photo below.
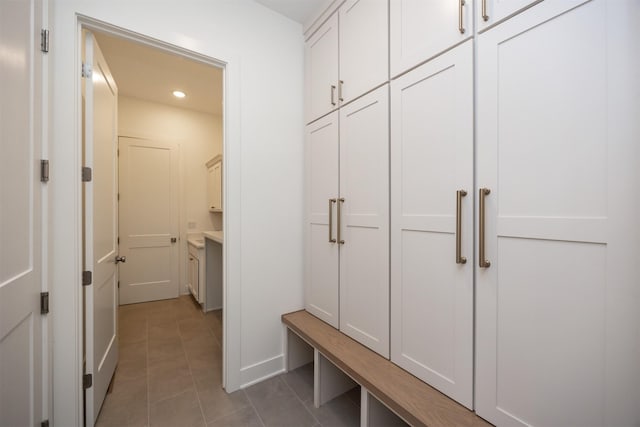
(340, 98)
(459, 258)
(340, 240)
(333, 95)
(483, 262)
(484, 11)
(331, 202)
(460, 17)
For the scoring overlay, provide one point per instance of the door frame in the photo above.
(67, 348)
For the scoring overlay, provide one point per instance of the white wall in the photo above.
(263, 169)
(199, 136)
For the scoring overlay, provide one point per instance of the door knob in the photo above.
(121, 259)
(174, 239)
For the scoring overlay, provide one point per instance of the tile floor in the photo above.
(169, 374)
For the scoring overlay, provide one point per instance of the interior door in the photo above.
(149, 223)
(321, 257)
(557, 308)
(21, 351)
(101, 226)
(432, 160)
(363, 235)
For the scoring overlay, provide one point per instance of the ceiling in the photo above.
(298, 10)
(152, 74)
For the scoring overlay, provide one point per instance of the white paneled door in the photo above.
(321, 256)
(100, 227)
(557, 293)
(491, 12)
(321, 70)
(149, 223)
(21, 350)
(432, 266)
(362, 229)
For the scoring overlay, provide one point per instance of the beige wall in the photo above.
(199, 136)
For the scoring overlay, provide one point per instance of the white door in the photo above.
(420, 29)
(558, 308)
(149, 223)
(432, 160)
(321, 70)
(363, 212)
(21, 350)
(491, 12)
(364, 47)
(101, 227)
(321, 257)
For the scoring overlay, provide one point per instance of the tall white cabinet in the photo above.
(554, 148)
(511, 239)
(347, 256)
(432, 222)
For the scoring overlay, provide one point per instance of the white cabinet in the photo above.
(420, 29)
(346, 272)
(363, 227)
(556, 137)
(346, 57)
(214, 184)
(322, 189)
(491, 12)
(431, 281)
(195, 272)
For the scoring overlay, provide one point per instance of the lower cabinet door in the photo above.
(431, 232)
(321, 247)
(364, 220)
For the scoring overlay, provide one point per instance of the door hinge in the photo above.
(87, 278)
(86, 70)
(118, 196)
(45, 423)
(86, 174)
(118, 240)
(118, 284)
(44, 302)
(87, 381)
(44, 170)
(44, 40)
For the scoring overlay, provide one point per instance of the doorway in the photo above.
(156, 136)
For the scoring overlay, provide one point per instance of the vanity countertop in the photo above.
(196, 239)
(216, 236)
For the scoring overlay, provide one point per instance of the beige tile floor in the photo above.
(169, 374)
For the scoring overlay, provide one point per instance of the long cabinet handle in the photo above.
(460, 17)
(333, 94)
(331, 202)
(481, 256)
(459, 258)
(340, 98)
(340, 202)
(484, 11)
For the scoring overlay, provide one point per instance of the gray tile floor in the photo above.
(169, 374)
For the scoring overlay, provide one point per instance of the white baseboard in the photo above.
(261, 371)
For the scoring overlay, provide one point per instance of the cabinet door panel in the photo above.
(321, 70)
(364, 185)
(321, 266)
(422, 29)
(554, 148)
(364, 46)
(432, 158)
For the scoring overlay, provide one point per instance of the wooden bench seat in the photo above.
(411, 399)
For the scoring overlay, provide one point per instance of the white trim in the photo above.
(65, 225)
(261, 371)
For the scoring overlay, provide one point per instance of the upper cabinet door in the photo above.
(422, 29)
(321, 68)
(364, 47)
(491, 12)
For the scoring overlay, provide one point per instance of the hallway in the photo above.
(169, 374)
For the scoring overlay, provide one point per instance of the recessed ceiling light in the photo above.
(179, 94)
